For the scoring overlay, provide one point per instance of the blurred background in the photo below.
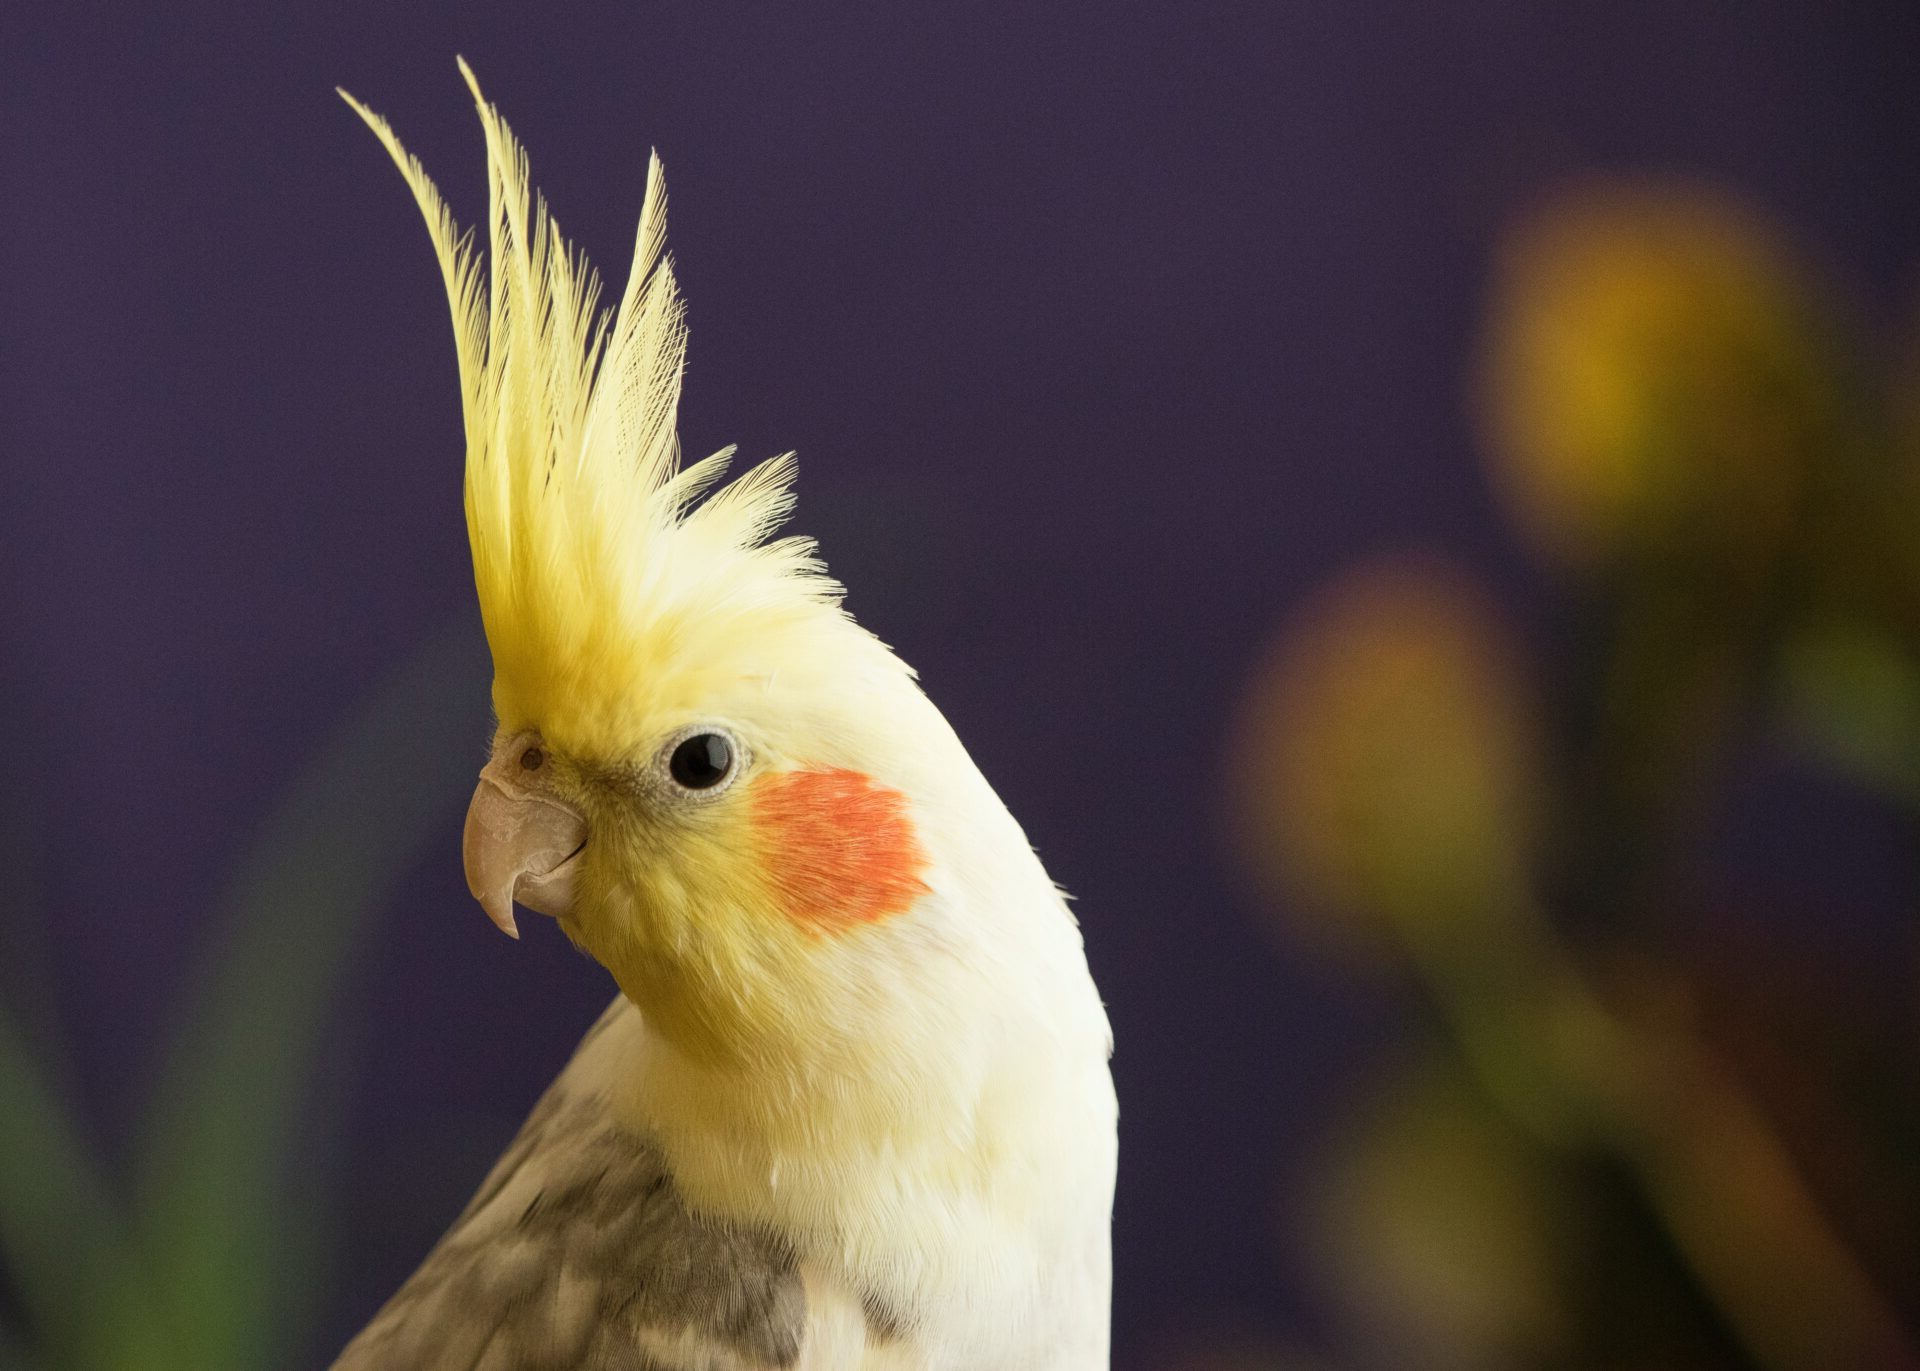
(1417, 509)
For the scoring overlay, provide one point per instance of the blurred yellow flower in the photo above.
(1653, 376)
(1387, 755)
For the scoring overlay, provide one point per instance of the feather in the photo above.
(588, 546)
(578, 1252)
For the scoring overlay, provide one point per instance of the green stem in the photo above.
(1549, 1051)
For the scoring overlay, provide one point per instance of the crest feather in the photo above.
(585, 532)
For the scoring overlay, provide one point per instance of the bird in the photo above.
(852, 1105)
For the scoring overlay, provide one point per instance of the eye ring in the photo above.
(701, 761)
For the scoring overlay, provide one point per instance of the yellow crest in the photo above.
(590, 557)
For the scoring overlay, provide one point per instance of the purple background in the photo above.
(1103, 332)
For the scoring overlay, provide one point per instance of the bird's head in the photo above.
(719, 785)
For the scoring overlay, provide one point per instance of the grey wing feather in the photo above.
(578, 1252)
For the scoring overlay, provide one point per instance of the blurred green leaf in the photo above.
(219, 1213)
(59, 1227)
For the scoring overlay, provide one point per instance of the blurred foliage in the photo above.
(207, 1261)
(1632, 1139)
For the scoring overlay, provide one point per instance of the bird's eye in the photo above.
(532, 759)
(701, 761)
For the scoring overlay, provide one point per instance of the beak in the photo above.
(519, 846)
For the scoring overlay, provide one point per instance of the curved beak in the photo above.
(519, 846)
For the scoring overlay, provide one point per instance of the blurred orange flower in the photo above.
(1387, 753)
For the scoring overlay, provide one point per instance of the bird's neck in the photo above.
(973, 1170)
(949, 1132)
(892, 1080)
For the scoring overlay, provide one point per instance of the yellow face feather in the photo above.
(601, 582)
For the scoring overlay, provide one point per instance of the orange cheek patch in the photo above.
(839, 850)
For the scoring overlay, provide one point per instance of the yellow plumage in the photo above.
(591, 558)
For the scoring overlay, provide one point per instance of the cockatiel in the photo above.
(851, 1108)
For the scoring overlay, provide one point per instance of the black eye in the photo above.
(532, 759)
(701, 761)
